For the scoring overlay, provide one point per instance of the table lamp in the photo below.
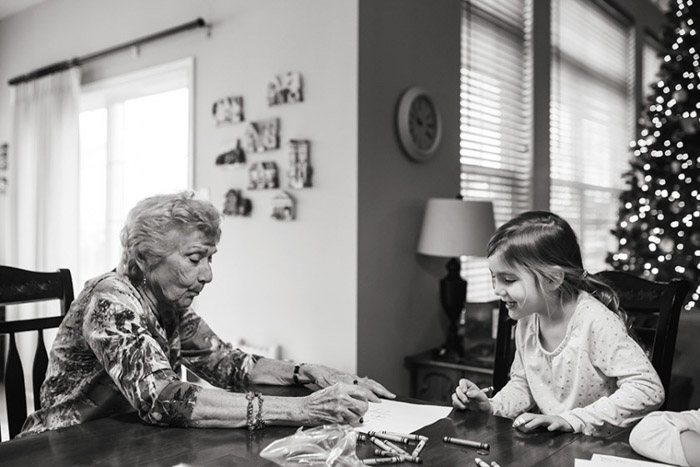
(454, 228)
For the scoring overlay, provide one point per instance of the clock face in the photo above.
(422, 122)
(418, 124)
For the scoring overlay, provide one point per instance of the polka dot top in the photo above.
(598, 379)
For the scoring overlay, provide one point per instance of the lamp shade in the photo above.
(454, 227)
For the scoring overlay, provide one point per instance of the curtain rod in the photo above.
(60, 66)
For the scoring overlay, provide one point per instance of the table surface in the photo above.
(126, 441)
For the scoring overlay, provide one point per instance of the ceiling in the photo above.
(10, 7)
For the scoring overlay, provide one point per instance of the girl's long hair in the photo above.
(546, 245)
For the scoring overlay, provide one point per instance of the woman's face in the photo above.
(181, 276)
(516, 287)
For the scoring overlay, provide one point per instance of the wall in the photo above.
(403, 43)
(294, 283)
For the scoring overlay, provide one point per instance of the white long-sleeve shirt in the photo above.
(658, 435)
(598, 378)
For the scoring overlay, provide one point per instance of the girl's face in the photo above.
(181, 276)
(516, 287)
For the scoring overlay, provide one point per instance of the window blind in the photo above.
(592, 119)
(495, 118)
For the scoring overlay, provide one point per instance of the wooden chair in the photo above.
(653, 307)
(20, 286)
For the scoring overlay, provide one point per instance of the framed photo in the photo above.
(263, 135)
(3, 156)
(300, 170)
(285, 89)
(228, 110)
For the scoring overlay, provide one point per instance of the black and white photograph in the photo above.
(228, 110)
(267, 233)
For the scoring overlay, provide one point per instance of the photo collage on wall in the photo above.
(257, 138)
(3, 168)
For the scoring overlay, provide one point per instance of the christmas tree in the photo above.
(659, 224)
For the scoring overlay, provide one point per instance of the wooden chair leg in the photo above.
(41, 363)
(14, 390)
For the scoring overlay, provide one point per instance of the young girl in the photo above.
(576, 368)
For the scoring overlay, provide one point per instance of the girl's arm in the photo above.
(515, 397)
(670, 437)
(639, 391)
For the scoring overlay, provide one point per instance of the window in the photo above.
(135, 141)
(591, 121)
(495, 120)
(651, 64)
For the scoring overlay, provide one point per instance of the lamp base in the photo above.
(453, 292)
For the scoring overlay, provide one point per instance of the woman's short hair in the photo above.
(149, 225)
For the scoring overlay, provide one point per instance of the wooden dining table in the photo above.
(125, 440)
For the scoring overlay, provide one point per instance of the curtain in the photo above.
(44, 173)
(43, 189)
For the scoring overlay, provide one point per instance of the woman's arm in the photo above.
(671, 437)
(340, 403)
(270, 371)
(118, 334)
(690, 440)
(224, 366)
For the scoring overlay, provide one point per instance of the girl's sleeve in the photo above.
(211, 358)
(115, 329)
(639, 391)
(515, 397)
(658, 435)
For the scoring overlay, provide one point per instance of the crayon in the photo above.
(410, 436)
(480, 463)
(392, 437)
(395, 448)
(419, 447)
(412, 459)
(382, 445)
(381, 460)
(466, 442)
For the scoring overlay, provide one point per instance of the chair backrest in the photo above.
(19, 286)
(654, 310)
(505, 348)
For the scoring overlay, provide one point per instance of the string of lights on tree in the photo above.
(658, 230)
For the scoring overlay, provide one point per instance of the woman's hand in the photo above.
(529, 421)
(467, 395)
(339, 403)
(324, 377)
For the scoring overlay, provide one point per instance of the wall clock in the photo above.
(418, 124)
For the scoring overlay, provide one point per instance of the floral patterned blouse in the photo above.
(113, 354)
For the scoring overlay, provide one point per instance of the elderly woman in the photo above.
(121, 344)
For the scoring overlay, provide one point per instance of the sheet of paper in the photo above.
(605, 460)
(401, 417)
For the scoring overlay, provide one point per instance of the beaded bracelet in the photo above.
(254, 422)
(249, 411)
(259, 423)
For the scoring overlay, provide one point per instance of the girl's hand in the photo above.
(324, 377)
(529, 421)
(339, 403)
(467, 395)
